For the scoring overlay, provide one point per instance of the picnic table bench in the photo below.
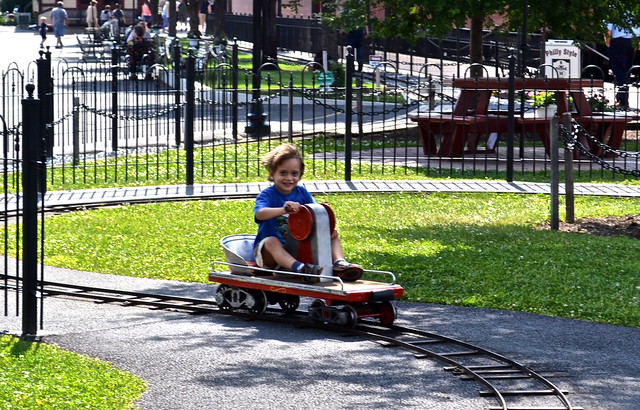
(460, 129)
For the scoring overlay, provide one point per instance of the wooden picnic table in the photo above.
(471, 117)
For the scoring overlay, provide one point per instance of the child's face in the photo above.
(287, 175)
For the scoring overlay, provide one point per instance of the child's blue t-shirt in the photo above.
(272, 198)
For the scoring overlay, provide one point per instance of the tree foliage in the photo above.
(574, 19)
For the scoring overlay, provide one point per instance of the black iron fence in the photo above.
(190, 113)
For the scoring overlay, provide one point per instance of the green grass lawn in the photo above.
(40, 376)
(481, 250)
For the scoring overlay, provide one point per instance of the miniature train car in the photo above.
(341, 301)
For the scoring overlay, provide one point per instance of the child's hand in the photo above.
(291, 207)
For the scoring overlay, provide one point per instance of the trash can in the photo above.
(561, 59)
(23, 19)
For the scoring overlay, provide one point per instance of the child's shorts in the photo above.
(257, 253)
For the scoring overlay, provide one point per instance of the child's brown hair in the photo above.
(274, 158)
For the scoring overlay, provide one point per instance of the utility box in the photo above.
(561, 59)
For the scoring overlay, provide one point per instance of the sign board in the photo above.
(374, 61)
(561, 59)
(325, 79)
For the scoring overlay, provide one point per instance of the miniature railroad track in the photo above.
(512, 385)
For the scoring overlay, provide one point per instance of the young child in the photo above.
(273, 205)
(43, 30)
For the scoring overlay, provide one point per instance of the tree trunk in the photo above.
(475, 45)
(329, 42)
(155, 17)
(219, 14)
(269, 31)
(193, 6)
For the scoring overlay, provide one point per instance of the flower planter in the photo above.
(546, 111)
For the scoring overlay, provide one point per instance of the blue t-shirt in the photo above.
(58, 15)
(272, 198)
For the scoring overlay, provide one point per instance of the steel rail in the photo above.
(503, 369)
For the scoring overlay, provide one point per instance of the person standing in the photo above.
(206, 8)
(620, 50)
(145, 12)
(92, 15)
(122, 22)
(59, 20)
(165, 16)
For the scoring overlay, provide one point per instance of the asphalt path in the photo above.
(204, 361)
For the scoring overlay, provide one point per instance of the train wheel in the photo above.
(348, 316)
(289, 303)
(317, 310)
(388, 313)
(221, 300)
(259, 303)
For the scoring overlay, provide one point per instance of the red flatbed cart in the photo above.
(337, 301)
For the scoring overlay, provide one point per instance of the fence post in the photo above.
(348, 114)
(115, 62)
(189, 115)
(511, 116)
(32, 128)
(234, 93)
(290, 108)
(568, 174)
(555, 180)
(76, 131)
(177, 79)
(360, 104)
(45, 96)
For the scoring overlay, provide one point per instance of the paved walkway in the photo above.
(211, 361)
(89, 197)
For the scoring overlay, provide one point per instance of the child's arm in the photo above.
(289, 207)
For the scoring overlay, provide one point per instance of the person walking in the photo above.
(620, 50)
(44, 27)
(92, 15)
(59, 19)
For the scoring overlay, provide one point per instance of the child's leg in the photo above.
(346, 270)
(273, 255)
(336, 246)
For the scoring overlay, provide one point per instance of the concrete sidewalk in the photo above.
(104, 196)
